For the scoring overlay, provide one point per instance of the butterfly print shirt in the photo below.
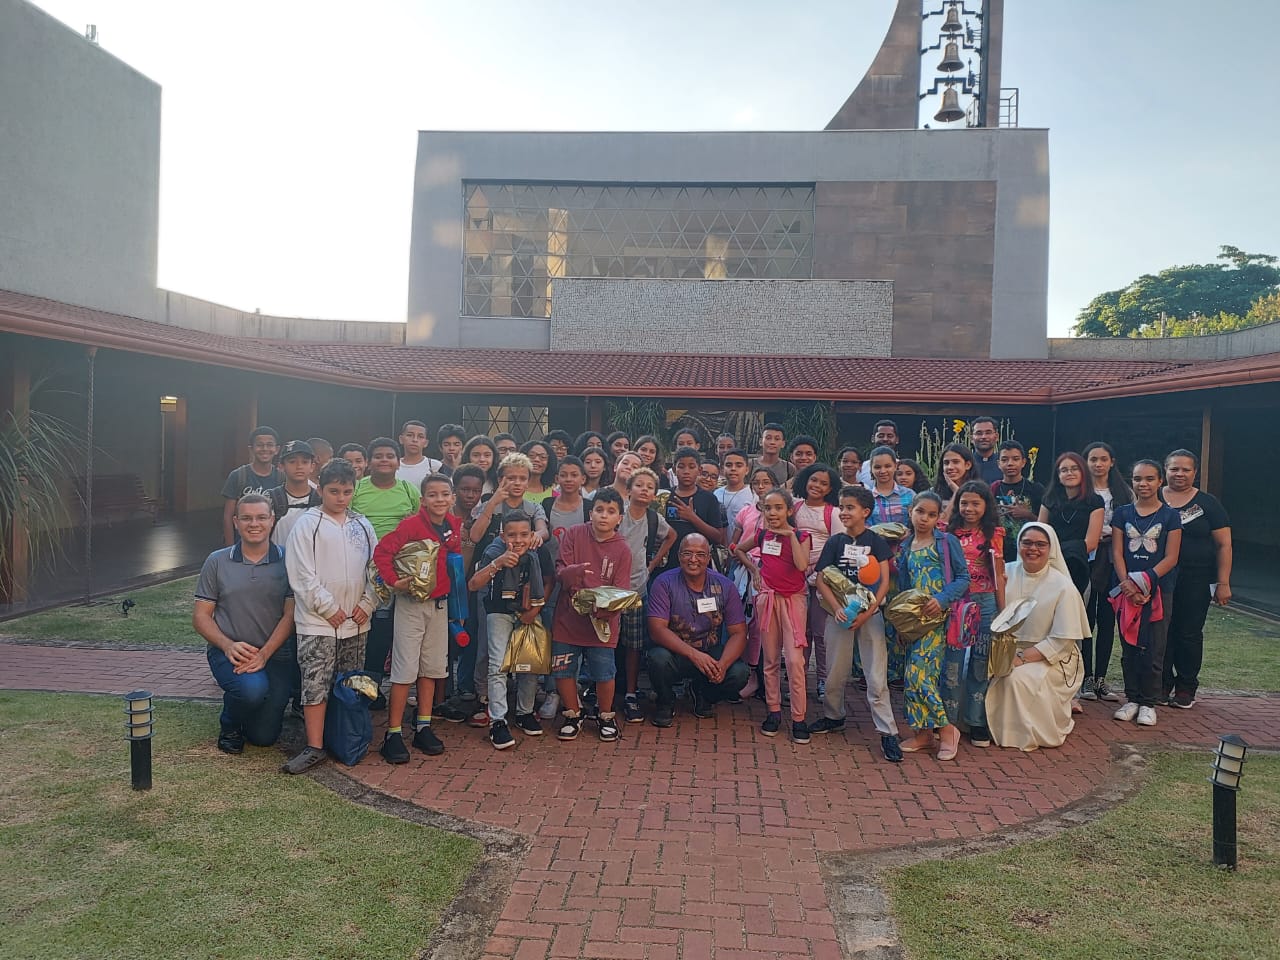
(1146, 538)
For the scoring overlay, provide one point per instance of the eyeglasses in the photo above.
(692, 555)
(1035, 544)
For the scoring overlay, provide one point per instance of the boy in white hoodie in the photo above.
(328, 558)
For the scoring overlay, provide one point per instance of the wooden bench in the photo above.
(118, 498)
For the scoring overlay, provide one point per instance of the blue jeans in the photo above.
(500, 627)
(964, 672)
(252, 703)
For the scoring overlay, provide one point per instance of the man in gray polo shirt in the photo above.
(244, 608)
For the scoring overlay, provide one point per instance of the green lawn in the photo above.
(1139, 882)
(161, 617)
(225, 857)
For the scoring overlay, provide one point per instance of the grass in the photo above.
(1241, 652)
(1138, 882)
(161, 617)
(225, 857)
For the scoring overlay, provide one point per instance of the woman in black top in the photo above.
(1204, 574)
(1104, 480)
(1075, 513)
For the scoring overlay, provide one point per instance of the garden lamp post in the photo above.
(1228, 764)
(138, 730)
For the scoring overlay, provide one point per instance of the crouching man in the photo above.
(244, 609)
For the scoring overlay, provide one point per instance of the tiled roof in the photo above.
(411, 369)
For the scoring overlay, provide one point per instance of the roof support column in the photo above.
(15, 406)
(1211, 453)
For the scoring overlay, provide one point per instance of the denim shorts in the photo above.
(568, 660)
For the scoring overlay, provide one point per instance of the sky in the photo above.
(289, 129)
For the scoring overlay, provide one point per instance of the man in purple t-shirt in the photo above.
(688, 607)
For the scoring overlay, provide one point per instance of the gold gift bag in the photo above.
(1004, 637)
(528, 650)
(415, 563)
(907, 614)
(590, 600)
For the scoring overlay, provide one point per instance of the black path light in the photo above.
(138, 730)
(1228, 765)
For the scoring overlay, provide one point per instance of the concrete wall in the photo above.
(1015, 160)
(1219, 346)
(196, 314)
(847, 318)
(79, 168)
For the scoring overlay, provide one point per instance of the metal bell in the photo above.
(951, 109)
(951, 22)
(951, 61)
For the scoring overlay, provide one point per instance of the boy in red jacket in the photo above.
(420, 648)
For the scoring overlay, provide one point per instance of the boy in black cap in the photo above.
(296, 495)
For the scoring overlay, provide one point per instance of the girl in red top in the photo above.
(782, 596)
(975, 522)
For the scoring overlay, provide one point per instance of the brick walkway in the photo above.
(703, 840)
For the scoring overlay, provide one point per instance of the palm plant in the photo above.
(817, 420)
(36, 460)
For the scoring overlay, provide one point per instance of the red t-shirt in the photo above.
(610, 563)
(977, 555)
(778, 570)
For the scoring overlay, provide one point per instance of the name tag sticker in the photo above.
(706, 604)
(772, 548)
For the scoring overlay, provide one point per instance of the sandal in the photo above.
(920, 742)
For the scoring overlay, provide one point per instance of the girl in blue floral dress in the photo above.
(920, 566)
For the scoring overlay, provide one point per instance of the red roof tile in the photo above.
(411, 369)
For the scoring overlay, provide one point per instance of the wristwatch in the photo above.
(1020, 656)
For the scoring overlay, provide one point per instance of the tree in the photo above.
(1183, 293)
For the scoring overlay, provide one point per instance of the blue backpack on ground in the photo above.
(348, 729)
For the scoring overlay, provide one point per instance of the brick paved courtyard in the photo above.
(703, 840)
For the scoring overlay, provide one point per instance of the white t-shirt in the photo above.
(417, 472)
(284, 526)
(732, 503)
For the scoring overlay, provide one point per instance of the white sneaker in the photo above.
(1127, 712)
(550, 708)
(1147, 716)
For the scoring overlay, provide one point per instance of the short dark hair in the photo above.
(431, 478)
(413, 423)
(468, 470)
(562, 435)
(690, 429)
(448, 430)
(710, 462)
(685, 452)
(885, 423)
(616, 435)
(336, 471)
(883, 451)
(771, 425)
(504, 436)
(804, 440)
(736, 452)
(1013, 445)
(516, 516)
(263, 432)
(865, 497)
(353, 448)
(1182, 452)
(608, 495)
(982, 419)
(722, 436)
(844, 450)
(569, 460)
(320, 443)
(377, 443)
(252, 498)
(1144, 462)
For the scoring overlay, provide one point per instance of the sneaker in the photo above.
(1103, 690)
(450, 711)
(1088, 689)
(1182, 699)
(500, 736)
(608, 727)
(1126, 712)
(427, 741)
(528, 724)
(703, 708)
(570, 727)
(980, 736)
(663, 716)
(891, 748)
(231, 742)
(826, 725)
(631, 709)
(772, 724)
(799, 731)
(1147, 716)
(393, 749)
(550, 707)
(305, 760)
(479, 719)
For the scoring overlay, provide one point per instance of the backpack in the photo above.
(280, 505)
(964, 618)
(651, 536)
(549, 502)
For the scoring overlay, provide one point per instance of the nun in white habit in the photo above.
(1031, 706)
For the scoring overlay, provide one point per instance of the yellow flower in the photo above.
(1033, 451)
(957, 426)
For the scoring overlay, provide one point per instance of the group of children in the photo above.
(530, 525)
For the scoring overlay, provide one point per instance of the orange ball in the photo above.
(869, 574)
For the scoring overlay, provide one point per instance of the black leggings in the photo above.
(1185, 651)
(1097, 652)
